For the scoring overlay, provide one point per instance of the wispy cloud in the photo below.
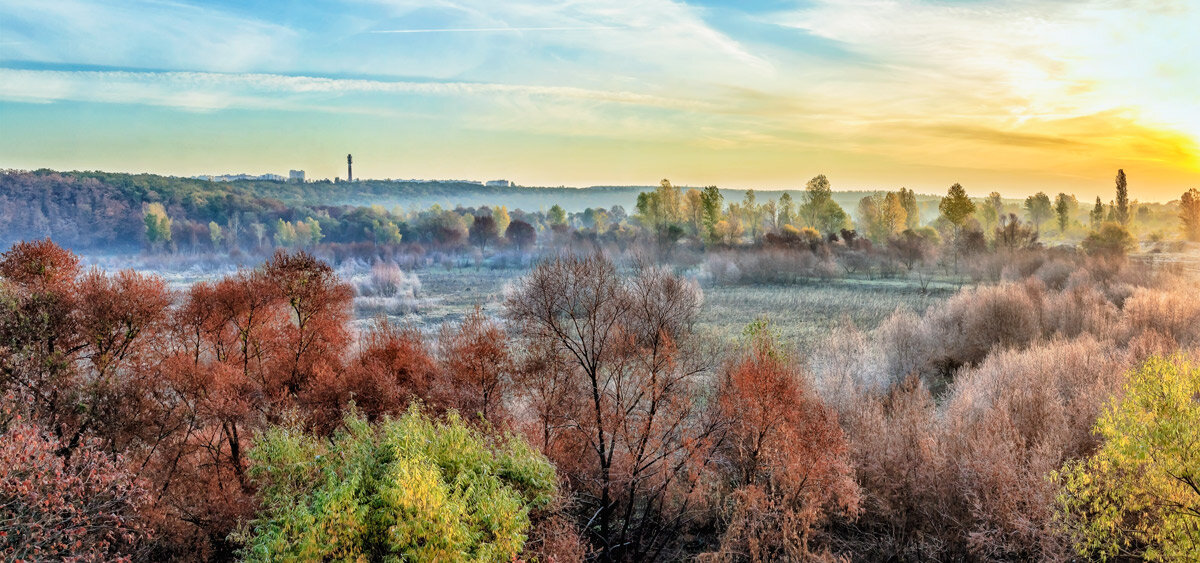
(220, 90)
(142, 33)
(500, 29)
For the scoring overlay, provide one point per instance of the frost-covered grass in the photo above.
(805, 314)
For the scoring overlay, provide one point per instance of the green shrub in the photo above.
(409, 489)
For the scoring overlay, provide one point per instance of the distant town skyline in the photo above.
(1015, 96)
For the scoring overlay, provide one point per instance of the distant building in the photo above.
(239, 177)
(296, 176)
(499, 184)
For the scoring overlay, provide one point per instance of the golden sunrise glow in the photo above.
(1003, 95)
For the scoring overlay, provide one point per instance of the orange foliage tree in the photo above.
(783, 465)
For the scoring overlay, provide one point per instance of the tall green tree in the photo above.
(1064, 205)
(787, 210)
(956, 207)
(816, 194)
(1097, 214)
(710, 206)
(908, 199)
(751, 214)
(1122, 207)
(992, 211)
(1039, 208)
(832, 219)
(557, 215)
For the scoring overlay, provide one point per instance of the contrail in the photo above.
(497, 29)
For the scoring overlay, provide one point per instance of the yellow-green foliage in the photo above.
(1140, 493)
(407, 489)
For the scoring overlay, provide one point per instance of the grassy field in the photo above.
(804, 314)
(801, 314)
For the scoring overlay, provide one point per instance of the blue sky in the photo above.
(1008, 95)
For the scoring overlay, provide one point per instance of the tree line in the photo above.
(112, 211)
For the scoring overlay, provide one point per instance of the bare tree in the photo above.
(630, 360)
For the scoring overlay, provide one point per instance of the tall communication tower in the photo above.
(349, 168)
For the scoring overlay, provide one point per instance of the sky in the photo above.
(1015, 96)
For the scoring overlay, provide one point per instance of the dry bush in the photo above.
(1023, 371)
(966, 480)
(1173, 313)
(1055, 273)
(1008, 424)
(899, 468)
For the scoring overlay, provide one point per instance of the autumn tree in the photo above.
(158, 224)
(37, 332)
(908, 200)
(1189, 214)
(1139, 494)
(1012, 235)
(782, 455)
(392, 367)
(521, 234)
(751, 214)
(318, 308)
(869, 218)
(892, 214)
(912, 248)
(52, 508)
(483, 231)
(500, 216)
(627, 347)
(478, 366)
(693, 211)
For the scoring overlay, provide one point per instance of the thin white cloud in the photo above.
(501, 29)
(213, 91)
(664, 34)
